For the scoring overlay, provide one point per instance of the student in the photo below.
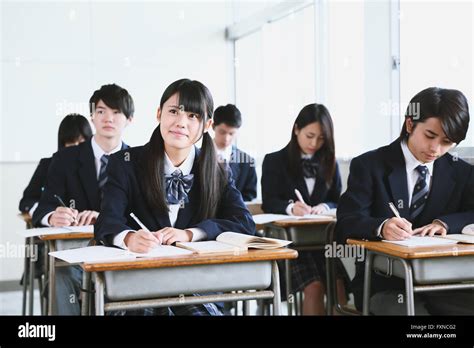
(432, 190)
(308, 164)
(178, 192)
(73, 130)
(77, 175)
(227, 121)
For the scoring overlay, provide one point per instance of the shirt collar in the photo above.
(306, 156)
(411, 162)
(98, 152)
(225, 153)
(185, 167)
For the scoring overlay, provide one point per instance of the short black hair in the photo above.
(114, 97)
(228, 115)
(73, 127)
(448, 105)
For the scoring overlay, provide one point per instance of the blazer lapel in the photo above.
(442, 185)
(397, 179)
(88, 175)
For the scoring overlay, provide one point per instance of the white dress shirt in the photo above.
(412, 175)
(310, 183)
(224, 154)
(185, 167)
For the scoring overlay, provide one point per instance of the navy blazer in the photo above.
(72, 176)
(32, 193)
(278, 186)
(379, 177)
(124, 194)
(244, 174)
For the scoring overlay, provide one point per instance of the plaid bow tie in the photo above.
(178, 186)
(310, 168)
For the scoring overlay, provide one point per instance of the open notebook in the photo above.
(99, 253)
(466, 236)
(417, 241)
(227, 242)
(261, 219)
(44, 231)
(231, 242)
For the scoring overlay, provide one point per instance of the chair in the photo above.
(332, 300)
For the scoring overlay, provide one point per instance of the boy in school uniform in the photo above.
(77, 175)
(227, 121)
(432, 190)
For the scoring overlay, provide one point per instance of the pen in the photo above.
(64, 205)
(300, 197)
(394, 210)
(141, 223)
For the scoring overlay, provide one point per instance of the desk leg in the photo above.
(44, 310)
(367, 282)
(26, 278)
(410, 295)
(52, 280)
(32, 278)
(329, 285)
(99, 294)
(86, 285)
(276, 289)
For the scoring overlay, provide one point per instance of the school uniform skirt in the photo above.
(310, 266)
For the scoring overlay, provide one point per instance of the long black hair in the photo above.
(72, 128)
(196, 98)
(449, 105)
(326, 155)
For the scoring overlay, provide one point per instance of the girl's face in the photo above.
(310, 138)
(180, 129)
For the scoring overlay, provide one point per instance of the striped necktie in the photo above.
(104, 160)
(420, 193)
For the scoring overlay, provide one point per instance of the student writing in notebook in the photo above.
(77, 175)
(308, 164)
(179, 192)
(432, 190)
(73, 130)
(227, 121)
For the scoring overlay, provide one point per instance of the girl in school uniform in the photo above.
(307, 164)
(179, 192)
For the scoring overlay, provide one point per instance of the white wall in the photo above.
(55, 54)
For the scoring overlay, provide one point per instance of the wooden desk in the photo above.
(59, 242)
(171, 281)
(447, 267)
(307, 235)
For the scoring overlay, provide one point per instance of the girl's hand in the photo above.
(141, 241)
(300, 209)
(169, 235)
(319, 209)
(86, 217)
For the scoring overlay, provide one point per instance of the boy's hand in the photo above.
(396, 229)
(63, 216)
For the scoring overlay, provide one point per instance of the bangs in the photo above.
(193, 100)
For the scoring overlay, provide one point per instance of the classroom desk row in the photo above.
(423, 268)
